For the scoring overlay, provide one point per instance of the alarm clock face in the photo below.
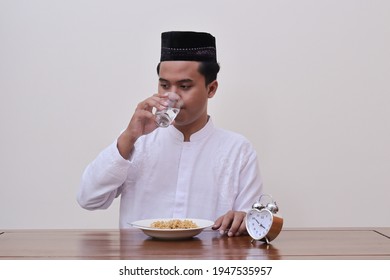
(258, 223)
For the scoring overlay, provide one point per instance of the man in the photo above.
(190, 169)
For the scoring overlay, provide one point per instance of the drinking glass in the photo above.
(166, 116)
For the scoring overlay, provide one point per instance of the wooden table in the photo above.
(301, 244)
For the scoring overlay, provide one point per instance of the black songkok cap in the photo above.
(188, 45)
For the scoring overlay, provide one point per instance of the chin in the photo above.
(180, 123)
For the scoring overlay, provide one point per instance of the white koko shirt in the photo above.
(165, 177)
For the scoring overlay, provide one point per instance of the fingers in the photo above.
(218, 222)
(158, 101)
(232, 223)
(143, 120)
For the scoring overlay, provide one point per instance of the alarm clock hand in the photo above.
(260, 224)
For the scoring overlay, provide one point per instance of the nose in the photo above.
(175, 99)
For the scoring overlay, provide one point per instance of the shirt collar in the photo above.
(197, 136)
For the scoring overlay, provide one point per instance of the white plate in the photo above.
(144, 225)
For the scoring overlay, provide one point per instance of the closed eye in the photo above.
(164, 86)
(185, 87)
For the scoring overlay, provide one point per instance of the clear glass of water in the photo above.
(165, 117)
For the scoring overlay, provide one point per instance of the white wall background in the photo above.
(306, 81)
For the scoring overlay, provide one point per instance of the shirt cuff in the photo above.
(115, 157)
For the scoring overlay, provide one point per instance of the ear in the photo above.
(212, 88)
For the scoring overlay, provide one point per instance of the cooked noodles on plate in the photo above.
(172, 228)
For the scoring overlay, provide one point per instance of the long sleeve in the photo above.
(215, 172)
(102, 179)
(251, 185)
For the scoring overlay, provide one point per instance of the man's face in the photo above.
(184, 78)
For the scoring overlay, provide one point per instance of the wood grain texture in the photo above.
(362, 243)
